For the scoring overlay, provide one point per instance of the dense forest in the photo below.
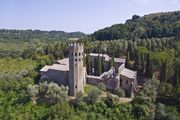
(148, 26)
(155, 57)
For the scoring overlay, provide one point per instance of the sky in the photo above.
(76, 15)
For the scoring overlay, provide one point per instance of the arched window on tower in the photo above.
(127, 82)
(79, 54)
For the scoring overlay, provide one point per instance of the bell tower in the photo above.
(76, 68)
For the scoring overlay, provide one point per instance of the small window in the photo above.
(127, 82)
(79, 59)
(79, 54)
(76, 86)
(75, 60)
(72, 54)
(75, 54)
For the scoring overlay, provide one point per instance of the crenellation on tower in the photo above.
(76, 68)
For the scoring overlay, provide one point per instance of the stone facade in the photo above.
(117, 76)
(76, 68)
(69, 71)
(57, 73)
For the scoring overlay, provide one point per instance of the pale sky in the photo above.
(76, 15)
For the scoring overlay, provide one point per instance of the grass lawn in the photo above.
(88, 88)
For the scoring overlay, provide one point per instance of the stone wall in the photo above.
(93, 80)
(59, 77)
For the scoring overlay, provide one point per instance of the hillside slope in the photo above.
(153, 25)
(24, 35)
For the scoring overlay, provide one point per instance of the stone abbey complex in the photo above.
(71, 72)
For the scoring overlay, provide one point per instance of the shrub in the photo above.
(120, 92)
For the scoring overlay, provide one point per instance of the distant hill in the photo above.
(153, 25)
(24, 35)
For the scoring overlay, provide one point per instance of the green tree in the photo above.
(163, 72)
(93, 96)
(128, 64)
(149, 67)
(99, 65)
(160, 112)
(143, 63)
(49, 93)
(102, 86)
(88, 64)
(120, 92)
(138, 64)
(177, 78)
(96, 66)
(62, 111)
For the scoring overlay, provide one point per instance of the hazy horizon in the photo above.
(71, 16)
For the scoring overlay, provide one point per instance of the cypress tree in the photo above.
(143, 63)
(163, 72)
(147, 64)
(102, 59)
(93, 37)
(52, 59)
(149, 67)
(177, 77)
(96, 66)
(127, 64)
(137, 63)
(150, 74)
(87, 64)
(130, 49)
(112, 61)
(99, 65)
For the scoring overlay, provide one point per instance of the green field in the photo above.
(15, 65)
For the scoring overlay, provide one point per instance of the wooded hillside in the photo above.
(148, 26)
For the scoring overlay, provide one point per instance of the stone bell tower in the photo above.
(76, 68)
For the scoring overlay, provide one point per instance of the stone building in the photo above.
(72, 72)
(117, 76)
(69, 71)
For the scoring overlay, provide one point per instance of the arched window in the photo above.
(75, 54)
(79, 54)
